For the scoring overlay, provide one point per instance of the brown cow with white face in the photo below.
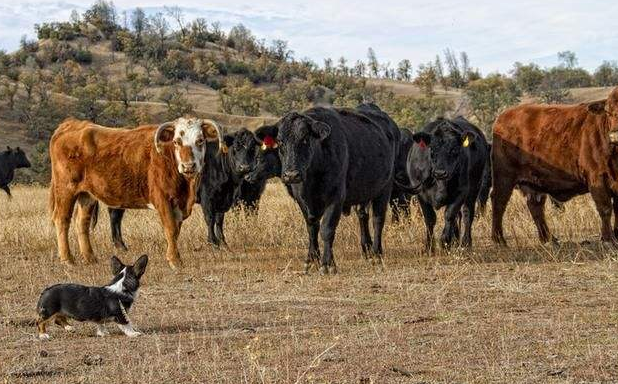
(145, 167)
(560, 150)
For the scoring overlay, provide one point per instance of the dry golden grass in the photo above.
(246, 315)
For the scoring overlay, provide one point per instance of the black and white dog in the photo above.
(62, 302)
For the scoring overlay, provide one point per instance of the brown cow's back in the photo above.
(554, 149)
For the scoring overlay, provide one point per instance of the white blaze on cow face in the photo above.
(189, 146)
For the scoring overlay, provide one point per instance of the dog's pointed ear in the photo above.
(140, 266)
(117, 265)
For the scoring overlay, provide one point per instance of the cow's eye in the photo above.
(178, 141)
(199, 142)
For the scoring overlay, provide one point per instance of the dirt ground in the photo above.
(523, 314)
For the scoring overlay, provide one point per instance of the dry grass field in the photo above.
(528, 314)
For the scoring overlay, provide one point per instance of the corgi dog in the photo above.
(62, 302)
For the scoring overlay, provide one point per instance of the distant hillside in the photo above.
(93, 68)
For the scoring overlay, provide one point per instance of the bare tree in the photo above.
(372, 63)
(178, 15)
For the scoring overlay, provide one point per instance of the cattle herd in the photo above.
(333, 161)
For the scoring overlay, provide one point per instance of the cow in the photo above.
(148, 166)
(445, 167)
(559, 150)
(221, 187)
(333, 159)
(400, 197)
(10, 160)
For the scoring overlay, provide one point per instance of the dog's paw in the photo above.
(69, 328)
(44, 336)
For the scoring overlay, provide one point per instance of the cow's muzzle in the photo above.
(291, 177)
(440, 174)
(243, 168)
(188, 169)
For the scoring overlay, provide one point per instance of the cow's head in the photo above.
(189, 136)
(448, 148)
(242, 148)
(299, 137)
(419, 162)
(266, 163)
(609, 108)
(18, 158)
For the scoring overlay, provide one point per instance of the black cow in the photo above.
(222, 186)
(446, 166)
(333, 159)
(401, 197)
(10, 160)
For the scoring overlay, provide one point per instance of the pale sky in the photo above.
(494, 34)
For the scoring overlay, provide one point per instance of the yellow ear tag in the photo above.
(223, 148)
(264, 147)
(466, 142)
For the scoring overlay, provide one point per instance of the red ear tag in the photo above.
(422, 144)
(269, 141)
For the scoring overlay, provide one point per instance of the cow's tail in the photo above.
(94, 218)
(485, 184)
(51, 204)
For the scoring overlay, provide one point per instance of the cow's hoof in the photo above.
(323, 270)
(67, 262)
(69, 328)
(44, 336)
(175, 264)
(307, 268)
(332, 269)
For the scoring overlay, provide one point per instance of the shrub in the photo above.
(489, 97)
(241, 98)
(176, 102)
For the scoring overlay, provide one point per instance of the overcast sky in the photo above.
(494, 34)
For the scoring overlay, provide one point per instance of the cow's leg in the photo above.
(328, 227)
(64, 202)
(467, 211)
(171, 227)
(313, 229)
(379, 207)
(500, 195)
(115, 222)
(429, 215)
(85, 208)
(363, 222)
(452, 215)
(210, 218)
(603, 201)
(219, 217)
(536, 206)
(6, 189)
(615, 206)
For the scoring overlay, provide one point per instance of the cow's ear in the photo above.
(320, 129)
(422, 139)
(265, 131)
(117, 265)
(8, 148)
(228, 140)
(209, 130)
(597, 107)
